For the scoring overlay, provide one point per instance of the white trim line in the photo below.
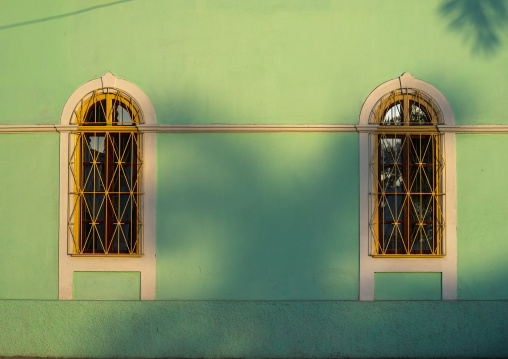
(493, 129)
(235, 128)
(224, 128)
(27, 128)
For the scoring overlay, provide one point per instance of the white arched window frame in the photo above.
(144, 264)
(369, 265)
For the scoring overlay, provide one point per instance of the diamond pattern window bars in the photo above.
(105, 166)
(407, 176)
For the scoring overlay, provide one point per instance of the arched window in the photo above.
(407, 170)
(106, 166)
(107, 183)
(407, 165)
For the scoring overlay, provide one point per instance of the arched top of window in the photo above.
(108, 100)
(406, 107)
(107, 106)
(406, 100)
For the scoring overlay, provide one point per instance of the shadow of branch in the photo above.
(49, 18)
(480, 22)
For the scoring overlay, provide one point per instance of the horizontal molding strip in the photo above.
(27, 128)
(246, 128)
(473, 128)
(223, 128)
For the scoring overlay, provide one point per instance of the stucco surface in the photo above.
(253, 329)
(106, 286)
(272, 61)
(257, 216)
(243, 219)
(29, 216)
(482, 209)
(407, 286)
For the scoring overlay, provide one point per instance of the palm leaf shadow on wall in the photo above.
(481, 23)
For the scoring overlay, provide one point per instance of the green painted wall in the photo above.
(252, 216)
(482, 210)
(257, 216)
(272, 61)
(407, 286)
(29, 216)
(254, 329)
(106, 286)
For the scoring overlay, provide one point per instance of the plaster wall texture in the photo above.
(482, 209)
(253, 329)
(243, 219)
(29, 216)
(257, 216)
(275, 61)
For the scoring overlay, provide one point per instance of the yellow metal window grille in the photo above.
(406, 107)
(107, 106)
(105, 186)
(407, 169)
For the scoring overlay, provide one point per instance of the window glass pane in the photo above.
(88, 153)
(388, 231)
(399, 240)
(422, 179)
(126, 207)
(97, 145)
(123, 147)
(100, 178)
(391, 208)
(392, 239)
(421, 149)
(93, 148)
(121, 239)
(93, 237)
(93, 208)
(88, 237)
(393, 115)
(96, 114)
(127, 146)
(126, 178)
(114, 178)
(390, 179)
(122, 116)
(422, 208)
(87, 208)
(421, 237)
(88, 177)
(390, 150)
(93, 178)
(419, 115)
(125, 242)
(122, 207)
(115, 146)
(99, 206)
(100, 236)
(115, 207)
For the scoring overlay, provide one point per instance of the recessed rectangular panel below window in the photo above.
(407, 286)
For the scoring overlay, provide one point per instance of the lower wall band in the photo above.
(253, 329)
